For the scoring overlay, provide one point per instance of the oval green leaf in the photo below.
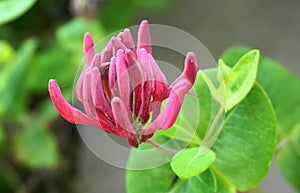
(280, 84)
(246, 145)
(189, 162)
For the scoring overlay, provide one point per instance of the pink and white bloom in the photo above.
(122, 88)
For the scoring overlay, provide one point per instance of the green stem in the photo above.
(212, 133)
(281, 144)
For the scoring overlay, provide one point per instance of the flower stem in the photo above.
(160, 147)
(280, 145)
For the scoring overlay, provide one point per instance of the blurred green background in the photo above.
(40, 40)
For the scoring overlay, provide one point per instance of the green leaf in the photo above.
(288, 162)
(12, 89)
(7, 53)
(163, 180)
(203, 183)
(159, 179)
(280, 84)
(189, 162)
(70, 36)
(246, 145)
(36, 148)
(52, 63)
(223, 186)
(205, 104)
(295, 139)
(12, 9)
(240, 79)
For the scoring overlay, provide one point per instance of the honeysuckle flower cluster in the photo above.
(122, 88)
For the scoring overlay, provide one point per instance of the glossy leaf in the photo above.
(240, 79)
(205, 104)
(246, 145)
(189, 162)
(12, 9)
(223, 186)
(279, 84)
(163, 180)
(203, 183)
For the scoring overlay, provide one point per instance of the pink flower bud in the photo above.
(121, 87)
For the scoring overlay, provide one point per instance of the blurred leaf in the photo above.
(246, 145)
(295, 139)
(12, 9)
(279, 84)
(53, 63)
(289, 165)
(12, 96)
(46, 110)
(188, 162)
(7, 53)
(113, 21)
(70, 36)
(35, 147)
(240, 79)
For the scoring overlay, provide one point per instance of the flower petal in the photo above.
(67, 111)
(118, 44)
(88, 48)
(144, 39)
(190, 69)
(107, 53)
(148, 86)
(96, 61)
(112, 76)
(128, 40)
(121, 116)
(87, 97)
(180, 87)
(98, 97)
(158, 74)
(123, 78)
